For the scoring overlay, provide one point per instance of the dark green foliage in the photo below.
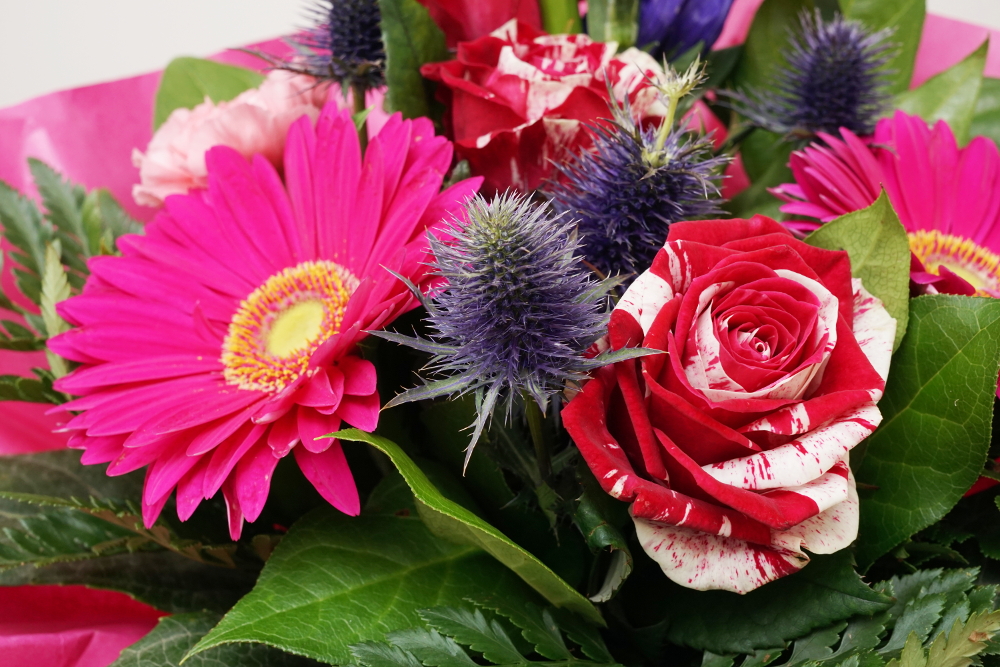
(486, 639)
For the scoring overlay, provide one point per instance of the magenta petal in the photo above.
(233, 510)
(322, 390)
(313, 426)
(227, 455)
(163, 475)
(284, 434)
(359, 376)
(189, 490)
(151, 511)
(329, 473)
(253, 480)
(360, 411)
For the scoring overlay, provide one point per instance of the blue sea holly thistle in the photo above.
(834, 76)
(517, 315)
(635, 181)
(344, 45)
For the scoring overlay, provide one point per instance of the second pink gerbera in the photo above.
(947, 198)
(226, 337)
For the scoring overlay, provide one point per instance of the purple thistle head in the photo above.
(518, 311)
(673, 27)
(834, 77)
(635, 182)
(344, 44)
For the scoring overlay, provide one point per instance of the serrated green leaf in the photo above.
(862, 633)
(596, 519)
(167, 643)
(17, 388)
(55, 288)
(431, 648)
(880, 255)
(965, 640)
(712, 660)
(825, 592)
(336, 580)
(375, 654)
(63, 203)
(913, 654)
(949, 96)
(937, 418)
(26, 230)
(60, 535)
(815, 646)
(918, 619)
(411, 40)
(104, 221)
(986, 119)
(471, 629)
(187, 82)
(538, 627)
(454, 522)
(906, 17)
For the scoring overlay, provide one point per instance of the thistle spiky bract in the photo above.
(344, 45)
(636, 181)
(518, 312)
(835, 76)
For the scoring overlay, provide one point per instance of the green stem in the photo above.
(542, 455)
(668, 122)
(359, 107)
(560, 16)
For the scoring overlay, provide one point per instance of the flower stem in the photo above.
(560, 16)
(542, 455)
(359, 107)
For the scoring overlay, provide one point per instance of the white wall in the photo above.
(47, 45)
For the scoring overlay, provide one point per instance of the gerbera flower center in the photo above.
(973, 263)
(277, 328)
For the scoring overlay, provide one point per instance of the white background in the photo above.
(47, 45)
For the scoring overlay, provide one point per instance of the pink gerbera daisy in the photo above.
(948, 198)
(226, 337)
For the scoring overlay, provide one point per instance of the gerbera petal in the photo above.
(359, 375)
(312, 426)
(253, 480)
(329, 473)
(360, 411)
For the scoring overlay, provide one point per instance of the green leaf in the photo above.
(162, 579)
(187, 82)
(596, 516)
(538, 627)
(560, 16)
(104, 221)
(454, 522)
(411, 40)
(949, 96)
(906, 17)
(473, 630)
(374, 654)
(880, 255)
(17, 388)
(336, 580)
(430, 648)
(765, 157)
(27, 231)
(815, 646)
(986, 119)
(828, 590)
(60, 535)
(937, 417)
(919, 618)
(63, 202)
(173, 636)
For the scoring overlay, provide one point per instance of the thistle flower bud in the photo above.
(834, 77)
(518, 312)
(344, 45)
(627, 190)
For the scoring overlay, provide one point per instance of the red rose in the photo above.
(732, 446)
(466, 20)
(518, 99)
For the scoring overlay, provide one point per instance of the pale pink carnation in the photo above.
(255, 122)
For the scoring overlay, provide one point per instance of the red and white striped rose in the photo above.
(733, 446)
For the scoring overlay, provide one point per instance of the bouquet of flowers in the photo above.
(511, 332)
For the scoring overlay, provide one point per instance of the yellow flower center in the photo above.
(277, 328)
(973, 263)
